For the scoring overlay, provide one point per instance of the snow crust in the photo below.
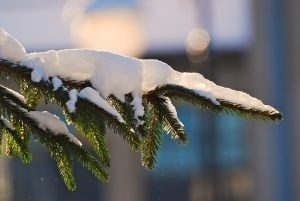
(114, 74)
(52, 122)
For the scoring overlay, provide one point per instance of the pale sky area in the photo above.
(164, 25)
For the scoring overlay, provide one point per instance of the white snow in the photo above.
(7, 123)
(138, 108)
(10, 48)
(56, 83)
(71, 104)
(198, 82)
(172, 108)
(51, 122)
(155, 73)
(16, 94)
(94, 96)
(114, 74)
(109, 73)
(37, 74)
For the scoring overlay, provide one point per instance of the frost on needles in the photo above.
(98, 89)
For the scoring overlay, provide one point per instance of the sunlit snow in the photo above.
(113, 74)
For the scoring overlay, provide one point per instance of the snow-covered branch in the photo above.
(96, 89)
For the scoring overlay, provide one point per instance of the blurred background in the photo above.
(254, 47)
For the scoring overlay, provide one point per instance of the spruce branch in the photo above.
(63, 159)
(170, 123)
(61, 96)
(183, 94)
(90, 162)
(248, 113)
(94, 133)
(91, 120)
(17, 145)
(59, 146)
(124, 108)
(32, 93)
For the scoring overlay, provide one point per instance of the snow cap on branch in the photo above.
(52, 122)
(113, 74)
(132, 96)
(10, 48)
(93, 96)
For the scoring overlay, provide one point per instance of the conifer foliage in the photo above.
(18, 123)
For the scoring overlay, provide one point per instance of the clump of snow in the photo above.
(39, 72)
(56, 83)
(16, 94)
(7, 123)
(138, 108)
(94, 96)
(172, 108)
(51, 122)
(155, 73)
(71, 104)
(117, 75)
(10, 48)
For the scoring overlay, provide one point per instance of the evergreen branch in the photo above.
(184, 94)
(181, 93)
(62, 143)
(16, 140)
(57, 151)
(111, 121)
(61, 96)
(91, 120)
(248, 113)
(91, 163)
(124, 108)
(33, 95)
(62, 157)
(60, 147)
(16, 144)
(170, 123)
(151, 141)
(94, 132)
